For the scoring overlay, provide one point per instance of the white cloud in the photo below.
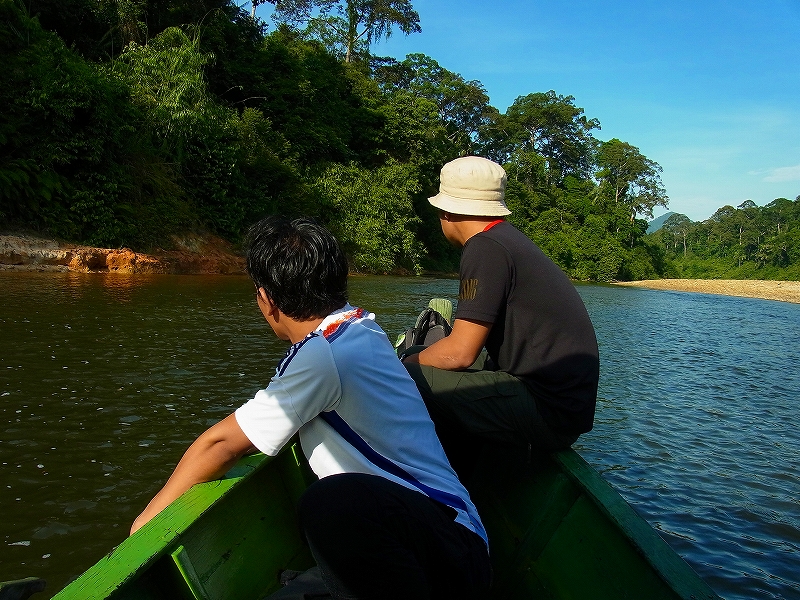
(784, 174)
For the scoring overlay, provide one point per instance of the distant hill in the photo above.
(656, 223)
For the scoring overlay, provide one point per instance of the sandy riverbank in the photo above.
(785, 291)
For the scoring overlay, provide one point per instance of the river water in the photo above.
(105, 380)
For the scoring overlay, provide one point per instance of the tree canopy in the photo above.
(127, 122)
(348, 28)
(735, 243)
(630, 178)
(547, 125)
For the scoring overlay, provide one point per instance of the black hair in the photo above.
(299, 264)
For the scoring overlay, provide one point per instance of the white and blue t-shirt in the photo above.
(357, 411)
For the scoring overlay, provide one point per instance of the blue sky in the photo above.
(710, 90)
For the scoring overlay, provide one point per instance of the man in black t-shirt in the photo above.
(536, 383)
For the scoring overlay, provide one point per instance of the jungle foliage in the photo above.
(128, 121)
(747, 242)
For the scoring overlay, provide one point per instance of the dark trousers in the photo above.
(375, 539)
(480, 405)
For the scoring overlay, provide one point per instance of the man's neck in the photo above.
(467, 227)
(285, 327)
(299, 330)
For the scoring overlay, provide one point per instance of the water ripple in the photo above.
(709, 385)
(106, 384)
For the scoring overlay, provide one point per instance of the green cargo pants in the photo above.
(480, 405)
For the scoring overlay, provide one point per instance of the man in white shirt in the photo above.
(388, 517)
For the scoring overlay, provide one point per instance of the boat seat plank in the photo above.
(188, 573)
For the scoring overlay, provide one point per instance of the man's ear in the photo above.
(266, 300)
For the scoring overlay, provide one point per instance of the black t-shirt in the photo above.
(541, 332)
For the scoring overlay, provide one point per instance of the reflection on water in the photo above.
(106, 378)
(117, 287)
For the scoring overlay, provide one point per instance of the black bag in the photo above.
(301, 585)
(430, 327)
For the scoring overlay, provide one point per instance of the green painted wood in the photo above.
(678, 575)
(188, 573)
(230, 529)
(444, 307)
(581, 554)
(556, 528)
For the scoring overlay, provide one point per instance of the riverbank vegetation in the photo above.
(126, 122)
(747, 242)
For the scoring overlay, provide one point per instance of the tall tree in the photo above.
(630, 178)
(463, 106)
(675, 232)
(778, 212)
(548, 125)
(352, 26)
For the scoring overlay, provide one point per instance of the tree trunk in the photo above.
(352, 30)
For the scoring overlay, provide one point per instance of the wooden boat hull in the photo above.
(556, 528)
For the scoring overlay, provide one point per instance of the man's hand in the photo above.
(458, 350)
(208, 458)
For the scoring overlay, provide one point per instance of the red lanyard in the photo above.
(492, 224)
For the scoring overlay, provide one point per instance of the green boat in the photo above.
(556, 530)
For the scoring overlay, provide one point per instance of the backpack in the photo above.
(430, 327)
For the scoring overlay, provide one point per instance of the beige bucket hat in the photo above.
(472, 186)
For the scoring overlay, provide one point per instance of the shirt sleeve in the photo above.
(486, 280)
(305, 385)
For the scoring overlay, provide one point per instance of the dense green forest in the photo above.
(747, 242)
(125, 122)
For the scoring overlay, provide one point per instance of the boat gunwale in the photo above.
(161, 536)
(667, 563)
(157, 538)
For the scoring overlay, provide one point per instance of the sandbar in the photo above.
(784, 291)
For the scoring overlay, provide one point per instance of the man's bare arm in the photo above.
(458, 350)
(208, 458)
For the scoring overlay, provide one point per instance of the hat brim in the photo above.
(469, 207)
